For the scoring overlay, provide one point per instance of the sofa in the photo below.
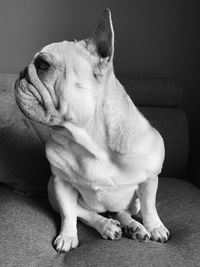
(28, 224)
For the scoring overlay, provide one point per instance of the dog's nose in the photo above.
(23, 73)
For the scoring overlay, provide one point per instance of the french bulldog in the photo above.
(104, 154)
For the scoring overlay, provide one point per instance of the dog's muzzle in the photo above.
(34, 99)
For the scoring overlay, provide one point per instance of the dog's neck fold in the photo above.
(123, 121)
(116, 125)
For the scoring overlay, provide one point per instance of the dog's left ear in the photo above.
(101, 42)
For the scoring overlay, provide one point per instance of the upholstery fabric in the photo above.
(173, 126)
(28, 227)
(22, 160)
(153, 92)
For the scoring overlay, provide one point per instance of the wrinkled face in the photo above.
(65, 81)
(60, 84)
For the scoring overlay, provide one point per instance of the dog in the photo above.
(104, 154)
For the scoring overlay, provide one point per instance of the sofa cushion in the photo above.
(28, 227)
(23, 165)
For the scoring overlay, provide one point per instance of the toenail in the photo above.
(146, 237)
(117, 235)
(133, 231)
(137, 236)
(60, 250)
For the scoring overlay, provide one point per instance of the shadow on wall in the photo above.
(158, 38)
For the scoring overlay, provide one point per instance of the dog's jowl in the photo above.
(104, 155)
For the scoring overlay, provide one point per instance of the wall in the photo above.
(158, 38)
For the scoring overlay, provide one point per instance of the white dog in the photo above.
(104, 155)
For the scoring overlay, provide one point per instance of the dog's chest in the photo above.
(94, 179)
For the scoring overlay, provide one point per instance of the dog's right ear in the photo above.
(101, 42)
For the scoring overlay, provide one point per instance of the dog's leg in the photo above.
(108, 228)
(63, 198)
(133, 228)
(147, 195)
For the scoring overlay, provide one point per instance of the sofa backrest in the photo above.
(160, 101)
(23, 165)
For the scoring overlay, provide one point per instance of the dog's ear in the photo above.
(101, 41)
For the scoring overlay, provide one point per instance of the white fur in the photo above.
(106, 155)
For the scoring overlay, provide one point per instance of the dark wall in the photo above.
(157, 37)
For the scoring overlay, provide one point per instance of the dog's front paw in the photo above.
(160, 234)
(110, 229)
(137, 231)
(64, 243)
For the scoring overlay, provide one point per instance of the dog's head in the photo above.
(65, 81)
